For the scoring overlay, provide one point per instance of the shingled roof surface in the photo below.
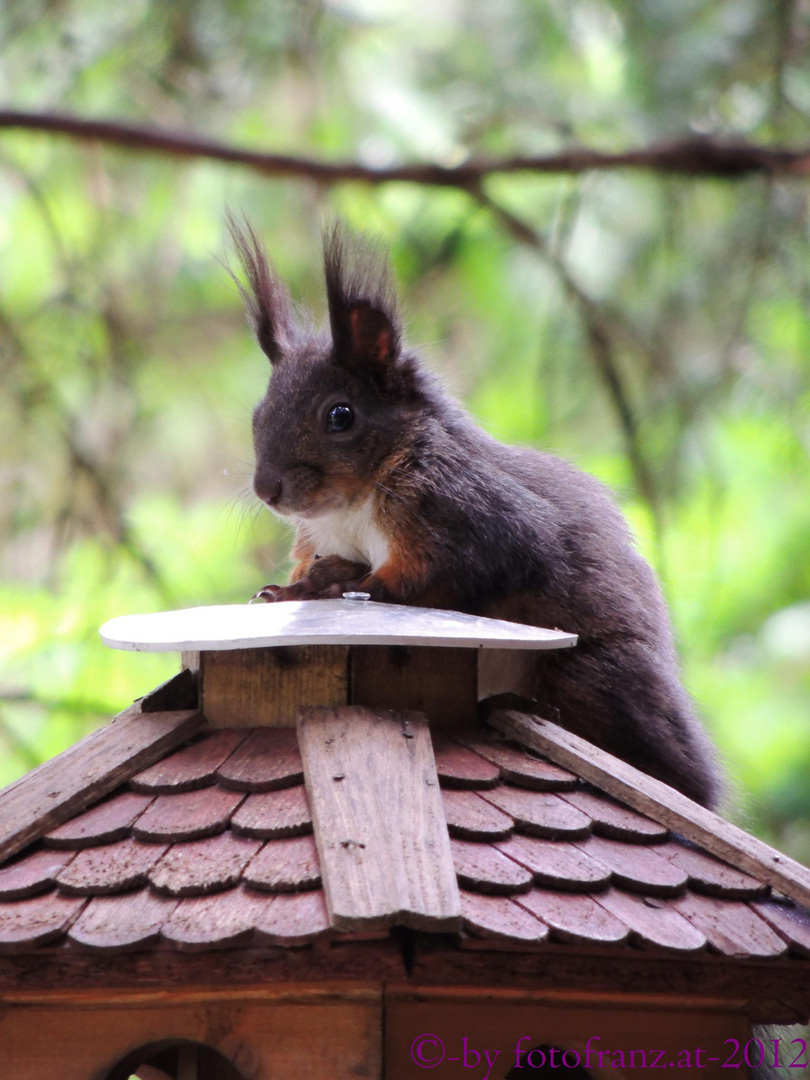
(213, 847)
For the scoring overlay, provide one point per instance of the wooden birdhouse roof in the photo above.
(160, 837)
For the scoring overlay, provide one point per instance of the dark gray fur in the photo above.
(493, 529)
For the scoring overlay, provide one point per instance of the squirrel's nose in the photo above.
(269, 489)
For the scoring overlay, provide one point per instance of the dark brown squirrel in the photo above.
(395, 491)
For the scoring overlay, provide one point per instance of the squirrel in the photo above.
(396, 491)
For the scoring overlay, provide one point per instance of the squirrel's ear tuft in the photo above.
(269, 307)
(362, 303)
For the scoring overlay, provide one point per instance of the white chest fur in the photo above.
(351, 533)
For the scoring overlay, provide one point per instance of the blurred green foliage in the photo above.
(128, 375)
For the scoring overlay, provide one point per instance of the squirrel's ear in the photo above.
(362, 304)
(269, 307)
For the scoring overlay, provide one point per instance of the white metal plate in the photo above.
(320, 622)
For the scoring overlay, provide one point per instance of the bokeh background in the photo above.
(652, 328)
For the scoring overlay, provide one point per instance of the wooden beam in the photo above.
(755, 986)
(79, 776)
(378, 819)
(265, 687)
(658, 801)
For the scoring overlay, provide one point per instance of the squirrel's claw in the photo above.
(299, 590)
(267, 593)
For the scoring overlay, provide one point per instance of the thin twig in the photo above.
(692, 156)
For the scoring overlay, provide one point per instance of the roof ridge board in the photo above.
(88, 770)
(659, 801)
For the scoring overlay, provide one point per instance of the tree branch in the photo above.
(688, 157)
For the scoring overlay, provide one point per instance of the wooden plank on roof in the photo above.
(79, 776)
(378, 819)
(320, 622)
(659, 802)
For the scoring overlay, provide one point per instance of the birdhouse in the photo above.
(334, 846)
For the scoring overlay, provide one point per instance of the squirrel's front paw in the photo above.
(326, 574)
(325, 579)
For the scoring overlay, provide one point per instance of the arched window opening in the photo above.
(547, 1062)
(174, 1059)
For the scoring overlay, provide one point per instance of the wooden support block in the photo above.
(265, 687)
(441, 683)
(507, 671)
(378, 818)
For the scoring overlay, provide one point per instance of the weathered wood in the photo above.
(187, 816)
(285, 866)
(224, 919)
(105, 823)
(502, 671)
(200, 990)
(294, 918)
(592, 1038)
(459, 767)
(574, 917)
(36, 921)
(33, 874)
(321, 622)
(79, 776)
(203, 866)
(484, 869)
(440, 683)
(267, 760)
(265, 687)
(192, 767)
(540, 813)
(379, 823)
(790, 922)
(269, 815)
(110, 868)
(336, 1039)
(614, 821)
(470, 818)
(637, 868)
(556, 863)
(730, 926)
(518, 767)
(498, 916)
(652, 922)
(709, 875)
(114, 924)
(190, 661)
(660, 802)
(750, 986)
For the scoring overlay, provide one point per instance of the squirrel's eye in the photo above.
(339, 418)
